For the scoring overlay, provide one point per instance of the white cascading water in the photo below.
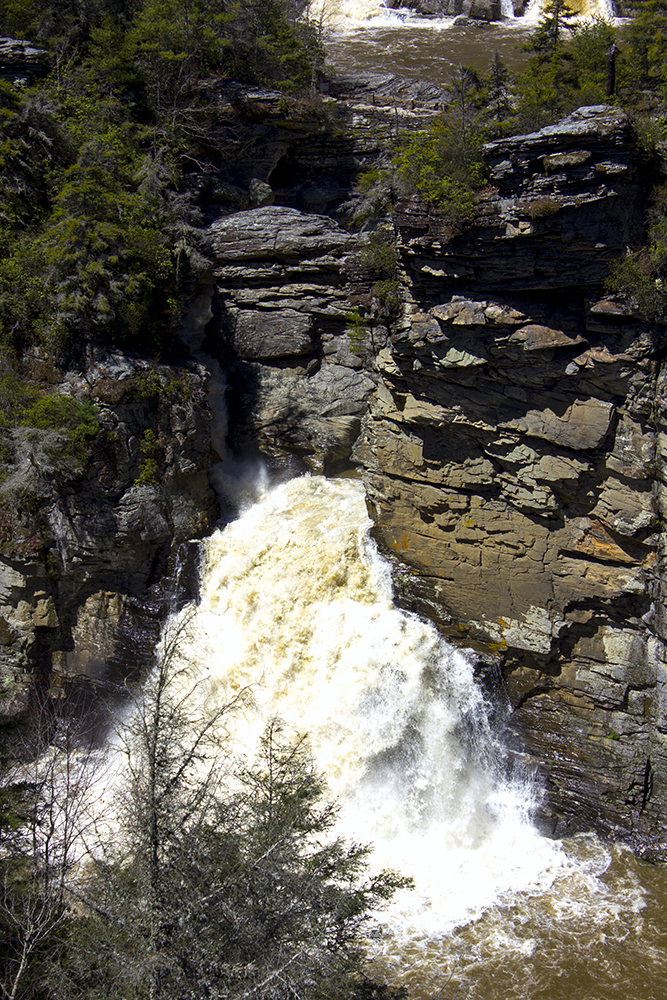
(586, 10)
(345, 15)
(350, 13)
(296, 605)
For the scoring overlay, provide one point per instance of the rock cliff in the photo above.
(90, 539)
(89, 547)
(509, 426)
(512, 448)
(514, 461)
(283, 327)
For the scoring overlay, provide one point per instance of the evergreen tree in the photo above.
(221, 880)
(544, 89)
(647, 37)
(498, 95)
(553, 29)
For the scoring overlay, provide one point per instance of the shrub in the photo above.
(442, 169)
(641, 274)
(541, 208)
(148, 470)
(379, 257)
(77, 420)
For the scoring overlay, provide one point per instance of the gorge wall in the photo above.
(89, 551)
(508, 423)
(514, 459)
(512, 447)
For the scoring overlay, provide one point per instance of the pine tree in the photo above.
(221, 879)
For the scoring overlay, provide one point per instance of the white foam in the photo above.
(296, 604)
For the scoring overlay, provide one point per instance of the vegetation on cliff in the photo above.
(96, 234)
(570, 65)
(99, 237)
(217, 878)
(98, 241)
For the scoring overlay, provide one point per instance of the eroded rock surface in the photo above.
(21, 61)
(75, 594)
(514, 461)
(283, 327)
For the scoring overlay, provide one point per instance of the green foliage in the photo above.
(379, 254)
(16, 395)
(74, 422)
(552, 30)
(646, 37)
(435, 165)
(225, 878)
(77, 420)
(96, 241)
(550, 87)
(498, 90)
(372, 197)
(589, 48)
(42, 441)
(265, 44)
(379, 257)
(100, 263)
(149, 384)
(444, 164)
(148, 471)
(641, 275)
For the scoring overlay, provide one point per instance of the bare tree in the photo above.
(47, 818)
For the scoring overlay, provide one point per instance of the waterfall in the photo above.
(340, 14)
(296, 609)
(586, 10)
(296, 605)
(348, 14)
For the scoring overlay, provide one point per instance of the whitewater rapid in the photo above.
(351, 15)
(296, 607)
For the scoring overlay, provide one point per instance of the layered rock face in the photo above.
(284, 328)
(510, 430)
(84, 581)
(75, 597)
(21, 61)
(513, 459)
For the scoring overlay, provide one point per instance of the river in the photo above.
(296, 604)
(363, 36)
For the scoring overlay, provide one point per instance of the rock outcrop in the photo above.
(514, 461)
(477, 10)
(21, 61)
(93, 538)
(284, 327)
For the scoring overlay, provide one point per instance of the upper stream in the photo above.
(365, 36)
(296, 606)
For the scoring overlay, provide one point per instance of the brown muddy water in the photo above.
(428, 53)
